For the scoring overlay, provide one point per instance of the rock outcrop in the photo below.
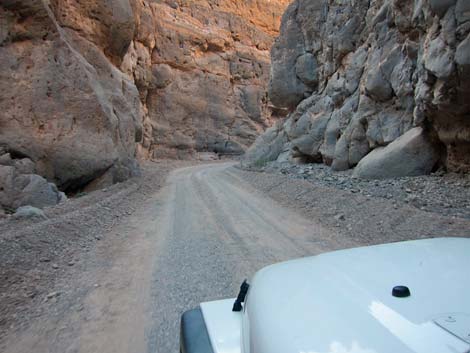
(20, 186)
(63, 102)
(411, 154)
(88, 86)
(202, 69)
(357, 75)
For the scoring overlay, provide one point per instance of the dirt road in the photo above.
(194, 241)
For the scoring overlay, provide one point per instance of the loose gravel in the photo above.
(369, 212)
(35, 253)
(89, 246)
(445, 194)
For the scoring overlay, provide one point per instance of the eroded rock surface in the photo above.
(86, 86)
(411, 154)
(202, 69)
(357, 75)
(63, 102)
(20, 186)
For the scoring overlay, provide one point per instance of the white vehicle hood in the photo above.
(223, 325)
(342, 302)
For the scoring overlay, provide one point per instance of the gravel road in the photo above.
(195, 240)
(207, 229)
(217, 231)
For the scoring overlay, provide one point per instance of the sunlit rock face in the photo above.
(358, 74)
(202, 69)
(63, 102)
(86, 86)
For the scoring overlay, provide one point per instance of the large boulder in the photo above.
(410, 155)
(34, 190)
(18, 190)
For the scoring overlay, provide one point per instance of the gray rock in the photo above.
(462, 11)
(377, 86)
(410, 155)
(24, 166)
(309, 141)
(341, 156)
(358, 145)
(26, 189)
(24, 212)
(34, 190)
(391, 65)
(386, 126)
(266, 148)
(462, 55)
(440, 7)
(62, 197)
(462, 59)
(6, 159)
(250, 98)
(7, 189)
(439, 58)
(306, 69)
(285, 88)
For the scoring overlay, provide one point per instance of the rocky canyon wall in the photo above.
(86, 86)
(64, 104)
(202, 69)
(378, 84)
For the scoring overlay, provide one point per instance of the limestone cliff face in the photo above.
(359, 74)
(85, 86)
(202, 69)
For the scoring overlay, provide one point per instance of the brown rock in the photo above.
(62, 102)
(86, 84)
(202, 74)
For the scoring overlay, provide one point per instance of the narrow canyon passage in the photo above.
(196, 240)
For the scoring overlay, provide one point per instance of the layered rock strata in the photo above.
(359, 74)
(88, 86)
(202, 69)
